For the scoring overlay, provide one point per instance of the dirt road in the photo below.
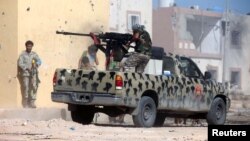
(59, 130)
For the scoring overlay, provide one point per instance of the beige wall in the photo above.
(8, 53)
(38, 21)
(164, 30)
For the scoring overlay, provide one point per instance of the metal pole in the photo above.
(225, 44)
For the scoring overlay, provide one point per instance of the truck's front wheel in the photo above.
(83, 115)
(146, 113)
(217, 113)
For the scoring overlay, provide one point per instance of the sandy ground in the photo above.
(60, 130)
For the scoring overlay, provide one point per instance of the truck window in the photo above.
(168, 66)
(189, 69)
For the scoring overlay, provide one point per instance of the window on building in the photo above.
(223, 26)
(133, 19)
(235, 78)
(236, 38)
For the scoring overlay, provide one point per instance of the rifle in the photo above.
(107, 42)
(34, 75)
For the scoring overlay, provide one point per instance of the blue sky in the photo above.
(237, 6)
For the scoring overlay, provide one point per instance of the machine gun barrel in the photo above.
(113, 42)
(71, 33)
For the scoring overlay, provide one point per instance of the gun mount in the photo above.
(107, 42)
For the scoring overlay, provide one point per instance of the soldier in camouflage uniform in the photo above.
(143, 44)
(28, 62)
(89, 60)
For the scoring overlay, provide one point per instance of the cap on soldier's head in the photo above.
(137, 27)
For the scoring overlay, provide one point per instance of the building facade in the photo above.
(217, 43)
(125, 13)
(237, 66)
(38, 21)
(191, 32)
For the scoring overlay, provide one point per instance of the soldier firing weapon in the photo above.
(107, 42)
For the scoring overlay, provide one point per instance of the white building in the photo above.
(237, 50)
(125, 13)
(166, 3)
(191, 32)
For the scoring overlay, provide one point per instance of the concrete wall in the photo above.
(238, 57)
(190, 32)
(8, 53)
(187, 29)
(164, 28)
(120, 9)
(202, 31)
(38, 21)
(212, 42)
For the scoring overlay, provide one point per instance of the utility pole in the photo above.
(225, 42)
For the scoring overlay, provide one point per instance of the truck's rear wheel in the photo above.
(146, 113)
(83, 115)
(217, 113)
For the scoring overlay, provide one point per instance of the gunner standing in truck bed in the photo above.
(143, 44)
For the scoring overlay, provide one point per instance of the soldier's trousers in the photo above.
(30, 87)
(137, 60)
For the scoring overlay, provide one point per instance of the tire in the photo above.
(217, 113)
(83, 115)
(160, 119)
(146, 113)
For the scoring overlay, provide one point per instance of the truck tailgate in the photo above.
(78, 80)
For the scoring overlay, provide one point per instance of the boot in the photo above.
(32, 104)
(25, 103)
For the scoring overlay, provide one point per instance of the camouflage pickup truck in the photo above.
(171, 86)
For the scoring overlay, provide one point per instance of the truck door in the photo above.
(195, 88)
(173, 85)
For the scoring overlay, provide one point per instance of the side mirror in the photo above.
(208, 75)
